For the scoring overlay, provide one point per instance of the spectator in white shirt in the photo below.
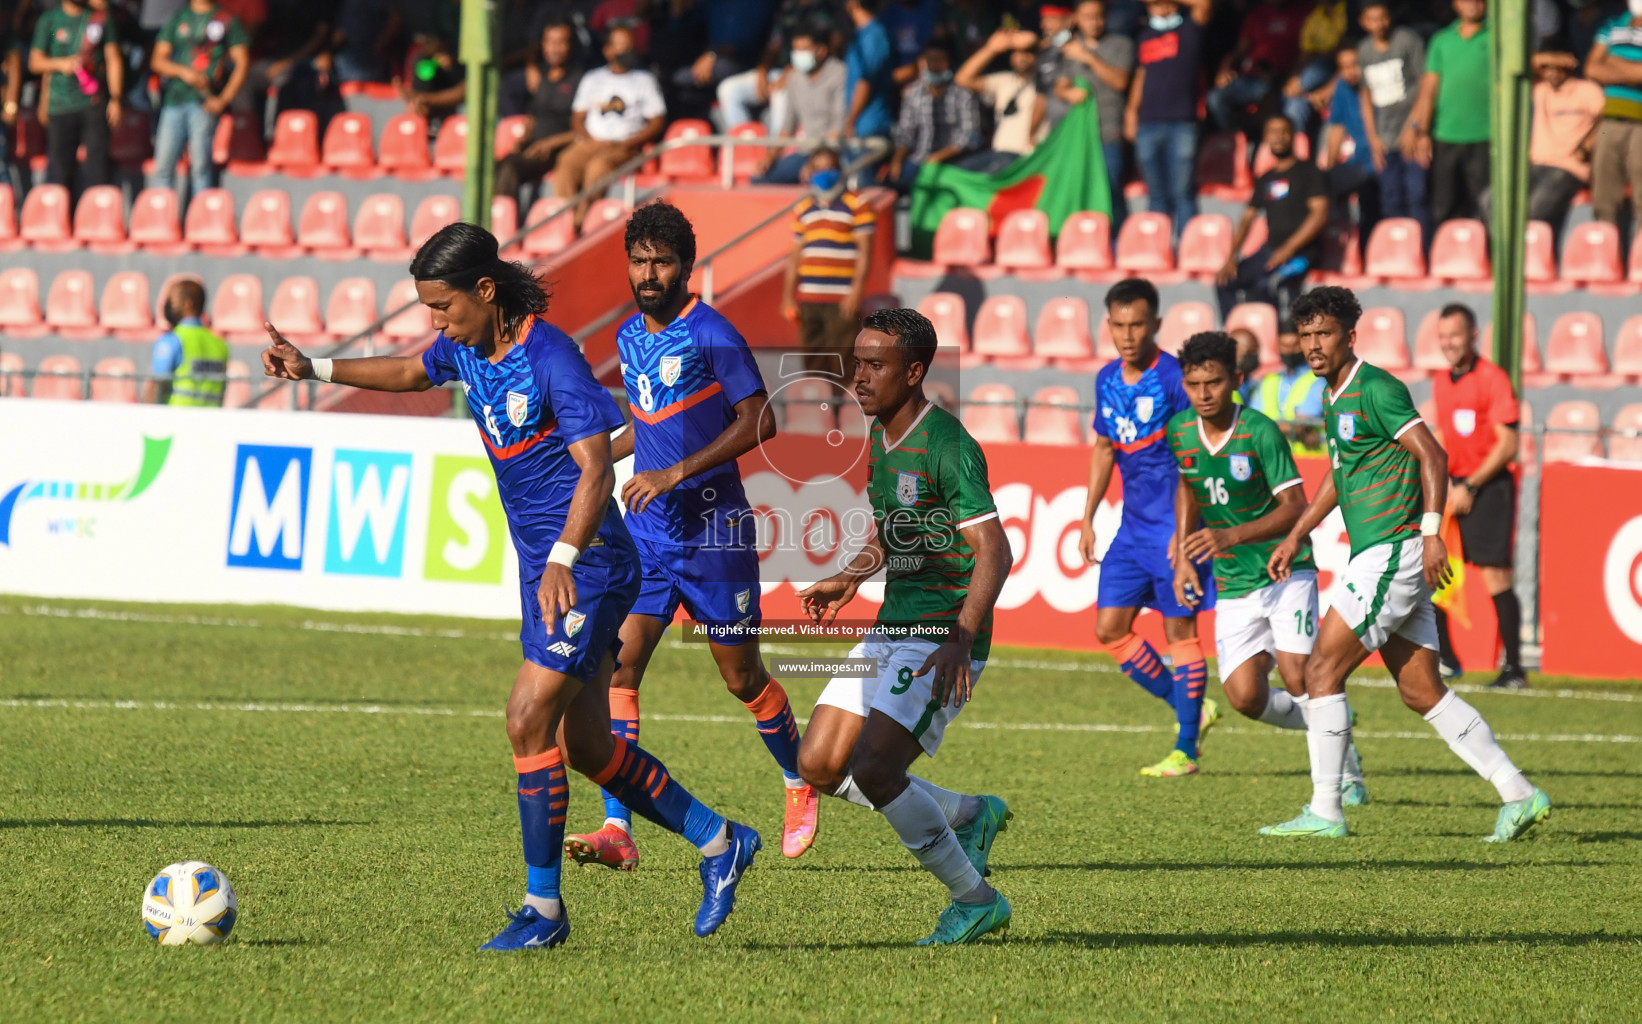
(618, 109)
(1011, 94)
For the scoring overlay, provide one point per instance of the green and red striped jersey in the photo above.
(1378, 480)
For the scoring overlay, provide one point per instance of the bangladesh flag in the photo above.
(1066, 173)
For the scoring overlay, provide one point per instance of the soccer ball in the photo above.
(189, 902)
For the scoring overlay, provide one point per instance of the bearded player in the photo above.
(1390, 479)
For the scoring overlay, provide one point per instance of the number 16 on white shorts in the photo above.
(1281, 617)
(896, 691)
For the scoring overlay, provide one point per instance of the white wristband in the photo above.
(322, 369)
(564, 554)
(1430, 524)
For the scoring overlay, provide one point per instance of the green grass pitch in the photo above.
(354, 783)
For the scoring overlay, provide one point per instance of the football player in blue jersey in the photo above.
(546, 423)
(698, 403)
(1135, 398)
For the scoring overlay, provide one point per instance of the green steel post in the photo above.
(1509, 28)
(477, 54)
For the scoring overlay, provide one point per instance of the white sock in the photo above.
(1303, 702)
(625, 826)
(551, 909)
(960, 808)
(918, 821)
(793, 782)
(1328, 735)
(848, 790)
(718, 844)
(1467, 735)
(1282, 711)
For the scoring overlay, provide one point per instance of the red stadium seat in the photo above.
(45, 219)
(405, 148)
(1223, 167)
(1591, 256)
(1394, 250)
(1527, 443)
(379, 228)
(504, 219)
(266, 225)
(99, 220)
(1625, 439)
(1143, 245)
(961, 240)
(1635, 274)
(1627, 348)
(71, 306)
(1254, 239)
(20, 302)
(1427, 352)
(1023, 240)
(745, 159)
(1531, 364)
(237, 392)
(1085, 243)
(414, 323)
(348, 148)
(602, 212)
(947, 312)
(1053, 417)
(12, 382)
(1575, 346)
(1573, 432)
(114, 379)
(59, 377)
(431, 214)
(1000, 330)
(8, 220)
(323, 229)
(1205, 244)
(238, 144)
(556, 235)
(809, 408)
(1185, 319)
(1261, 319)
(989, 414)
(512, 132)
(450, 147)
(1382, 338)
(352, 308)
(1342, 255)
(236, 308)
(296, 143)
(294, 309)
(131, 142)
(1539, 256)
(156, 223)
(125, 311)
(1062, 334)
(690, 163)
(209, 225)
(1459, 252)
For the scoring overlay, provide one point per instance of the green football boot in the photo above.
(1519, 816)
(976, 835)
(1174, 766)
(1308, 825)
(1353, 793)
(966, 922)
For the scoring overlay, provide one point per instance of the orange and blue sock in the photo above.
(640, 781)
(1191, 678)
(776, 724)
(1140, 663)
(544, 793)
(624, 722)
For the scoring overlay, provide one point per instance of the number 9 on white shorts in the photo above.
(1279, 617)
(895, 690)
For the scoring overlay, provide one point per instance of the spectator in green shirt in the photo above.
(76, 50)
(1449, 128)
(193, 53)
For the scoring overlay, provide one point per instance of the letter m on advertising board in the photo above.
(270, 508)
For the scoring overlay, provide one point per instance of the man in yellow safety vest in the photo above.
(190, 354)
(1293, 396)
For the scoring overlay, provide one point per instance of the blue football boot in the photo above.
(721, 875)
(528, 929)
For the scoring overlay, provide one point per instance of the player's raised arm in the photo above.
(1101, 460)
(377, 373)
(1321, 505)
(1434, 483)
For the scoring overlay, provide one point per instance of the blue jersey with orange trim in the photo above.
(531, 406)
(1135, 417)
(683, 383)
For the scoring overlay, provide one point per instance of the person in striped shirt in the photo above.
(827, 271)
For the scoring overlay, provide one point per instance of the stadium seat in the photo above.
(347, 148)
(1062, 334)
(1023, 241)
(504, 221)
(352, 308)
(415, 322)
(237, 392)
(44, 223)
(131, 142)
(99, 220)
(1394, 251)
(688, 163)
(1459, 253)
(1085, 243)
(1256, 238)
(405, 148)
(989, 415)
(1053, 417)
(431, 214)
(1342, 256)
(8, 220)
(266, 225)
(59, 377)
(1539, 257)
(450, 146)
(238, 144)
(1382, 338)
(961, 239)
(1427, 352)
(12, 382)
(379, 228)
(556, 235)
(602, 212)
(1527, 443)
(1627, 349)
(947, 312)
(209, 225)
(1575, 348)
(512, 132)
(114, 379)
(71, 306)
(1573, 432)
(1625, 437)
(1531, 363)
(1260, 318)
(1223, 167)
(156, 223)
(1590, 255)
(1205, 244)
(1183, 320)
(236, 309)
(20, 302)
(809, 408)
(294, 310)
(296, 143)
(745, 159)
(1000, 332)
(1634, 275)
(323, 228)
(125, 311)
(1143, 245)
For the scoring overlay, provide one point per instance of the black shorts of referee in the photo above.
(1489, 530)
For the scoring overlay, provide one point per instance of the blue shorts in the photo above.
(581, 639)
(1138, 575)
(718, 587)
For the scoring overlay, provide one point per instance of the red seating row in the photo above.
(113, 379)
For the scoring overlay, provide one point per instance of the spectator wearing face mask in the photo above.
(827, 270)
(1103, 62)
(1161, 117)
(1011, 95)
(1055, 23)
(940, 121)
(814, 107)
(1292, 396)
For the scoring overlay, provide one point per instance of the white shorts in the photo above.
(1279, 617)
(895, 691)
(1383, 592)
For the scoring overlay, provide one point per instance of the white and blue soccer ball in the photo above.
(189, 902)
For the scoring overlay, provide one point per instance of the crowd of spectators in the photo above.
(1392, 96)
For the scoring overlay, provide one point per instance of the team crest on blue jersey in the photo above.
(573, 622)
(906, 488)
(1348, 426)
(743, 600)
(1143, 408)
(671, 367)
(1241, 467)
(518, 408)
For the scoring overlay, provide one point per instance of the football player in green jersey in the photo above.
(1389, 478)
(937, 536)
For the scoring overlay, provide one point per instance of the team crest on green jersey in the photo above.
(1241, 468)
(906, 488)
(1348, 426)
